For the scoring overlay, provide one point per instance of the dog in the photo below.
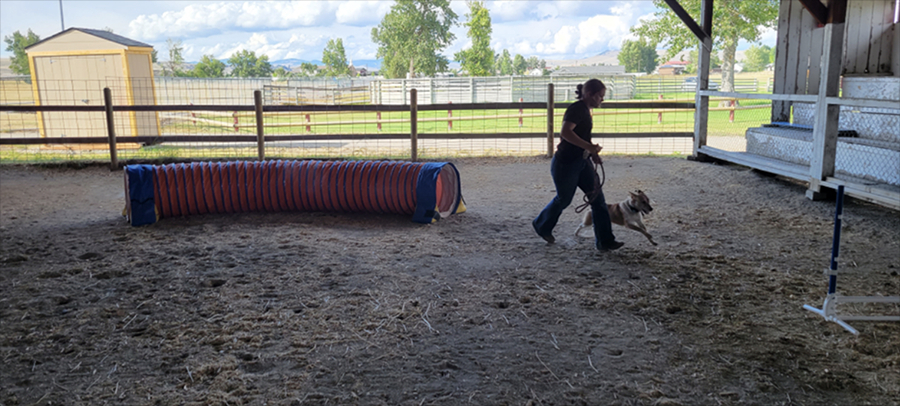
(629, 214)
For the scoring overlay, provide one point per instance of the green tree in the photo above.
(714, 61)
(534, 62)
(519, 65)
(281, 73)
(734, 20)
(638, 56)
(504, 63)
(153, 56)
(411, 36)
(309, 69)
(479, 59)
(173, 67)
(16, 44)
(335, 59)
(245, 64)
(208, 67)
(757, 57)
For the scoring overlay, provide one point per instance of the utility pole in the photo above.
(62, 22)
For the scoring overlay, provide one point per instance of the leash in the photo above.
(598, 184)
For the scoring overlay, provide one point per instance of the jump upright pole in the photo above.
(828, 310)
(832, 299)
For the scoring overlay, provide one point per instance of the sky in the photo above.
(300, 29)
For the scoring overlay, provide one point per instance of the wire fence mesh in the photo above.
(341, 133)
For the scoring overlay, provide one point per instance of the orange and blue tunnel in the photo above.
(426, 191)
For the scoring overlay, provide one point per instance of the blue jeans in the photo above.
(567, 176)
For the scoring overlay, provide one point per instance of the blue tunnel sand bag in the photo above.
(426, 191)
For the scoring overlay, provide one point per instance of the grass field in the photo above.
(722, 123)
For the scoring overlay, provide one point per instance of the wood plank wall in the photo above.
(867, 49)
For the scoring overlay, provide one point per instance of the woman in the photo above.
(570, 168)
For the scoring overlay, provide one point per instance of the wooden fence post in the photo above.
(413, 125)
(732, 103)
(110, 129)
(260, 138)
(521, 99)
(449, 117)
(659, 115)
(550, 120)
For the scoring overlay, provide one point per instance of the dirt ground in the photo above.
(324, 308)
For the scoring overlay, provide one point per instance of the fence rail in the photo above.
(258, 109)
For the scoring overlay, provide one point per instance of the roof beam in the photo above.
(700, 33)
(835, 12)
(817, 9)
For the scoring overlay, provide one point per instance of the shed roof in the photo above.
(118, 39)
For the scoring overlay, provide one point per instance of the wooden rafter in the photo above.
(818, 10)
(835, 12)
(701, 33)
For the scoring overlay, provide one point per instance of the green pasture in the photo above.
(749, 113)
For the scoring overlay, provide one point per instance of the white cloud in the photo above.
(523, 48)
(545, 11)
(362, 13)
(260, 45)
(200, 20)
(502, 11)
(564, 41)
(601, 32)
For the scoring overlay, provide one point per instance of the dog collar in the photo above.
(632, 208)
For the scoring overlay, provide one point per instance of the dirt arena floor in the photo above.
(355, 309)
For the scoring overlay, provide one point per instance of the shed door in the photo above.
(79, 80)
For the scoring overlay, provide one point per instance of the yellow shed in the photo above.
(72, 67)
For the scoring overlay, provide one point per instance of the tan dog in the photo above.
(629, 214)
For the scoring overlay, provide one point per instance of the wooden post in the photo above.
(701, 103)
(308, 128)
(550, 120)
(413, 125)
(260, 137)
(521, 99)
(235, 115)
(378, 119)
(659, 115)
(110, 129)
(732, 103)
(781, 109)
(825, 123)
(450, 117)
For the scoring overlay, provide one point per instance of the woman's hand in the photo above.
(595, 149)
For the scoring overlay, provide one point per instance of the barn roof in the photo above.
(97, 33)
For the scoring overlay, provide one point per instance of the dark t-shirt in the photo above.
(579, 114)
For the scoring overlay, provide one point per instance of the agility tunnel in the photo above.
(426, 191)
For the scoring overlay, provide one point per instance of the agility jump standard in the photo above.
(832, 299)
(427, 191)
